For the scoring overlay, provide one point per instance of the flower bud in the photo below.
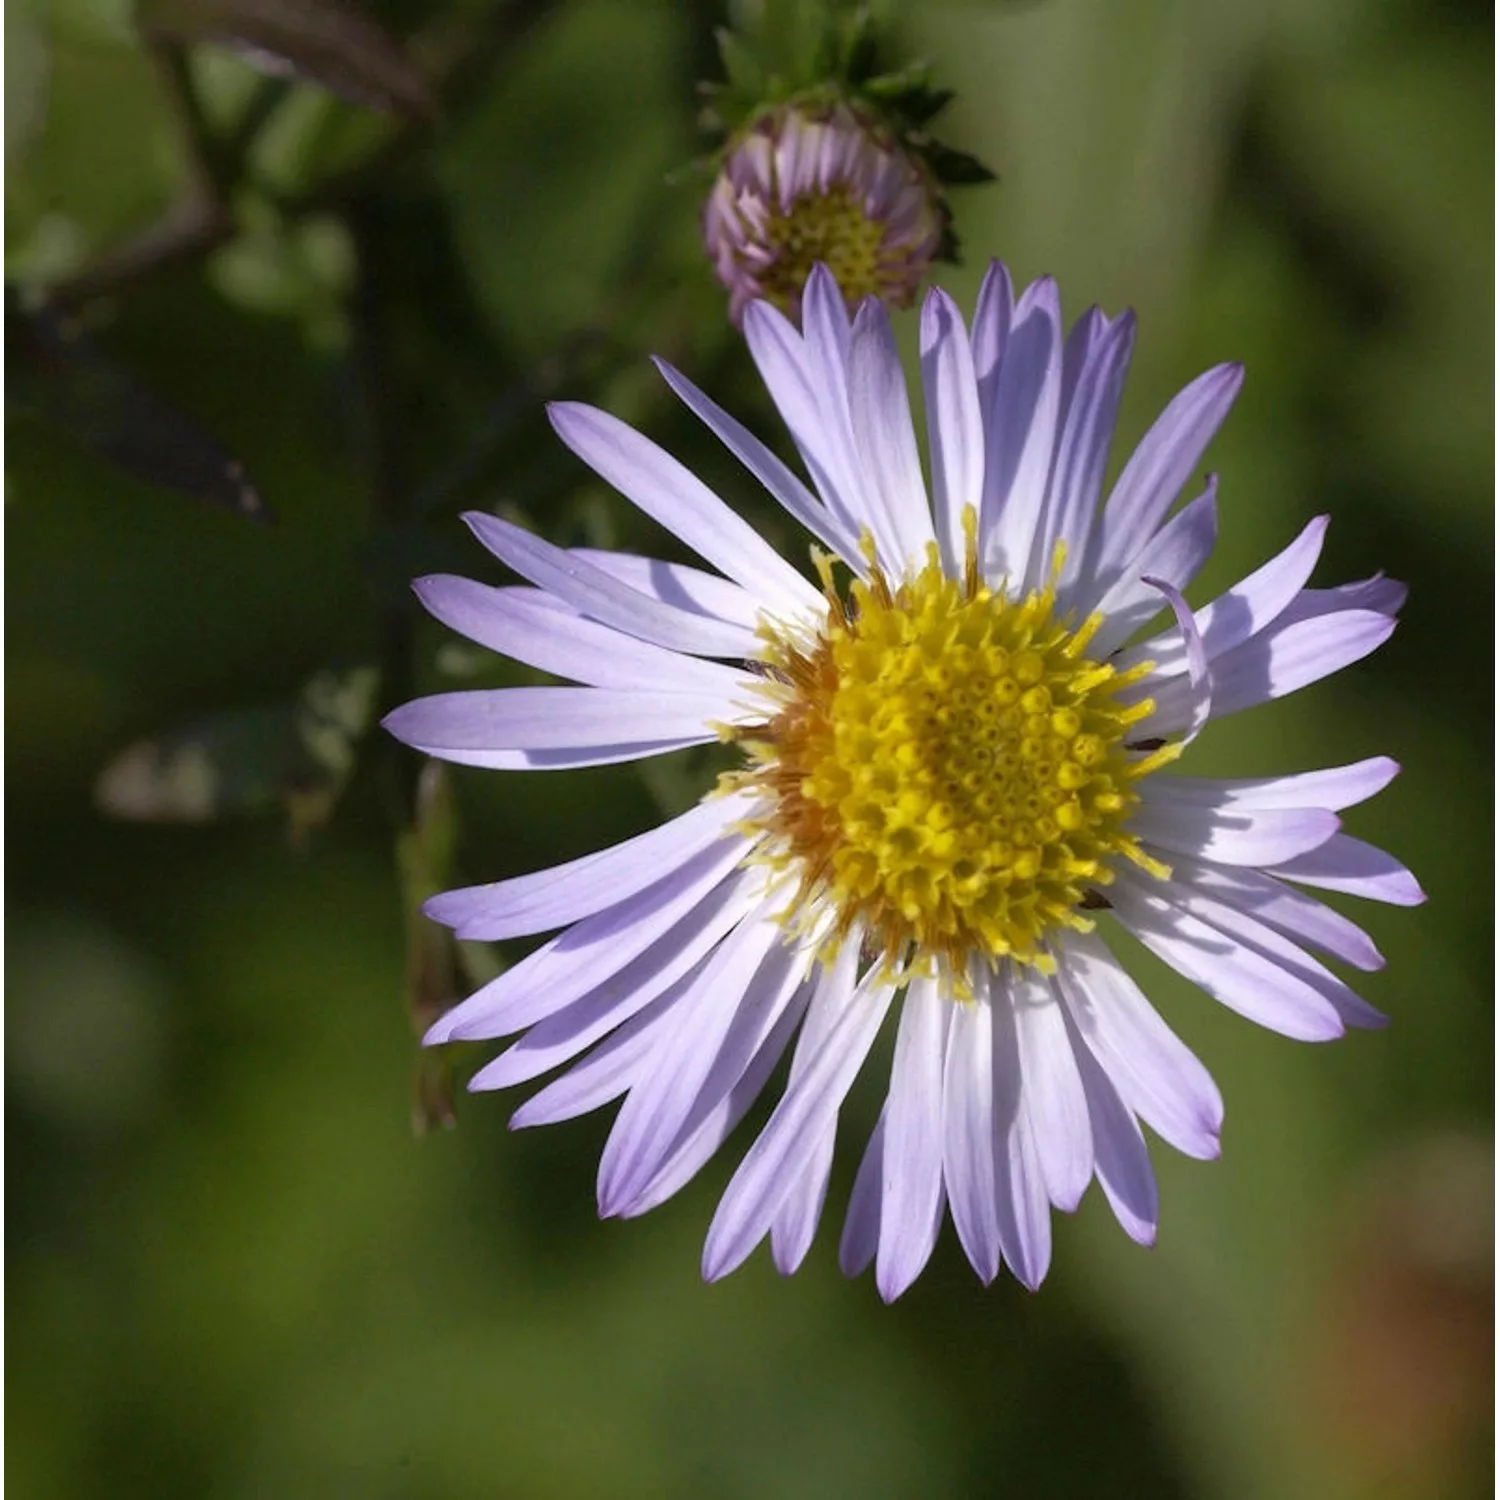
(801, 187)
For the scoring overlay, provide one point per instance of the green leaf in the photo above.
(741, 66)
(892, 87)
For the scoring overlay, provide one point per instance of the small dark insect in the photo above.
(766, 669)
(1145, 745)
(1094, 901)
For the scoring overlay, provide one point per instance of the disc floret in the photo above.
(947, 766)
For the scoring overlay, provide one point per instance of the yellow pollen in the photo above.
(944, 766)
(831, 227)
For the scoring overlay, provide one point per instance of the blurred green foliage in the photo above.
(232, 1271)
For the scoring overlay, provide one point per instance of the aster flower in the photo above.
(803, 186)
(957, 777)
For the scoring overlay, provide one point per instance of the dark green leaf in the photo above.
(920, 104)
(859, 48)
(58, 373)
(956, 168)
(328, 42)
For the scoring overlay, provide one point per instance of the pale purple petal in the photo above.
(724, 1017)
(828, 346)
(1173, 555)
(608, 1071)
(796, 1220)
(1286, 656)
(774, 475)
(969, 1135)
(1082, 341)
(1335, 787)
(532, 627)
(1052, 1093)
(677, 499)
(763, 1180)
(825, 320)
(592, 591)
(1156, 472)
(561, 1036)
(1384, 595)
(991, 335)
(1276, 662)
(826, 448)
(1082, 451)
(705, 1132)
(1256, 937)
(912, 1169)
(883, 431)
(680, 585)
(1022, 1213)
(1292, 912)
(552, 898)
(1241, 611)
(1121, 1161)
(555, 718)
(1241, 836)
(1020, 431)
(591, 951)
(1157, 1076)
(1200, 679)
(955, 429)
(1238, 976)
(1356, 868)
(568, 759)
(861, 1235)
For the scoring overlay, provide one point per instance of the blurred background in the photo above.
(234, 1269)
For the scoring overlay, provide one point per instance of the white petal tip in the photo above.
(853, 1265)
(821, 276)
(716, 1266)
(434, 905)
(1067, 1202)
(897, 1276)
(986, 1275)
(788, 1262)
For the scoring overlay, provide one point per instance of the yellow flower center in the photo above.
(947, 766)
(831, 227)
